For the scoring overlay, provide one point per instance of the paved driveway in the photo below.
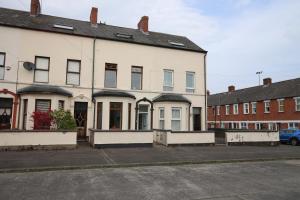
(238, 181)
(85, 156)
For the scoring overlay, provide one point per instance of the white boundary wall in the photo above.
(119, 138)
(255, 136)
(179, 138)
(36, 138)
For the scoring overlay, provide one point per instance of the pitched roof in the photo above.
(22, 19)
(171, 98)
(113, 93)
(44, 89)
(283, 89)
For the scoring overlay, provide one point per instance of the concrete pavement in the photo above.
(86, 157)
(234, 181)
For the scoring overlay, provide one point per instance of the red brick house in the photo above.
(269, 106)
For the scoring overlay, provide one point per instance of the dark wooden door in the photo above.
(197, 118)
(80, 115)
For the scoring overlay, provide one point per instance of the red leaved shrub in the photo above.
(41, 120)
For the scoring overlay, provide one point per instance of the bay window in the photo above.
(176, 119)
(161, 118)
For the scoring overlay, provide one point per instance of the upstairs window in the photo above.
(41, 72)
(236, 109)
(190, 82)
(110, 80)
(2, 65)
(267, 106)
(168, 80)
(136, 78)
(246, 108)
(253, 104)
(297, 103)
(280, 105)
(227, 112)
(73, 72)
(218, 110)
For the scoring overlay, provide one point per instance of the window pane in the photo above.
(73, 66)
(175, 125)
(41, 76)
(42, 63)
(190, 80)
(143, 108)
(175, 114)
(168, 76)
(43, 105)
(73, 79)
(1, 59)
(61, 104)
(136, 69)
(162, 113)
(110, 78)
(161, 124)
(2, 72)
(136, 81)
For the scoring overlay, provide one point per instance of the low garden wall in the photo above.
(250, 137)
(22, 140)
(167, 137)
(104, 139)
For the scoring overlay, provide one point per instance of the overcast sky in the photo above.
(241, 36)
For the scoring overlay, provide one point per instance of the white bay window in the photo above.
(176, 119)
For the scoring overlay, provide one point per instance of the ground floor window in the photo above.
(42, 105)
(115, 115)
(129, 116)
(61, 104)
(176, 119)
(161, 118)
(272, 126)
(6, 105)
(99, 115)
(233, 125)
(293, 125)
(244, 125)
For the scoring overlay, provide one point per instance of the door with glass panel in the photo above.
(6, 105)
(143, 117)
(80, 115)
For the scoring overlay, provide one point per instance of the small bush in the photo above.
(41, 120)
(63, 120)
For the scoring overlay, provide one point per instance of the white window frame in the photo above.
(45, 70)
(176, 119)
(72, 72)
(252, 107)
(293, 125)
(235, 109)
(170, 87)
(227, 109)
(296, 104)
(265, 107)
(244, 125)
(2, 65)
(257, 126)
(218, 110)
(160, 119)
(190, 89)
(246, 108)
(281, 106)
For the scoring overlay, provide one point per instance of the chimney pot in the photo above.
(35, 8)
(94, 16)
(231, 88)
(143, 24)
(267, 81)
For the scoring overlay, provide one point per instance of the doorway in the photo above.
(143, 117)
(6, 105)
(197, 118)
(80, 115)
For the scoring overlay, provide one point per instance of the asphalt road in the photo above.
(235, 181)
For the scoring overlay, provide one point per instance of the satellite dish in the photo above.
(29, 66)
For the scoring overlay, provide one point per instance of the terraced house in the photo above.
(109, 77)
(270, 106)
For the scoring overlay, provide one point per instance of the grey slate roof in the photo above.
(284, 89)
(44, 89)
(113, 93)
(22, 19)
(171, 98)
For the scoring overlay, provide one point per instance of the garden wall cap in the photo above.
(44, 89)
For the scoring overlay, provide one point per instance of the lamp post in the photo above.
(259, 74)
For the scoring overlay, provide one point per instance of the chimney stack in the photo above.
(35, 8)
(267, 81)
(231, 88)
(94, 16)
(143, 24)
